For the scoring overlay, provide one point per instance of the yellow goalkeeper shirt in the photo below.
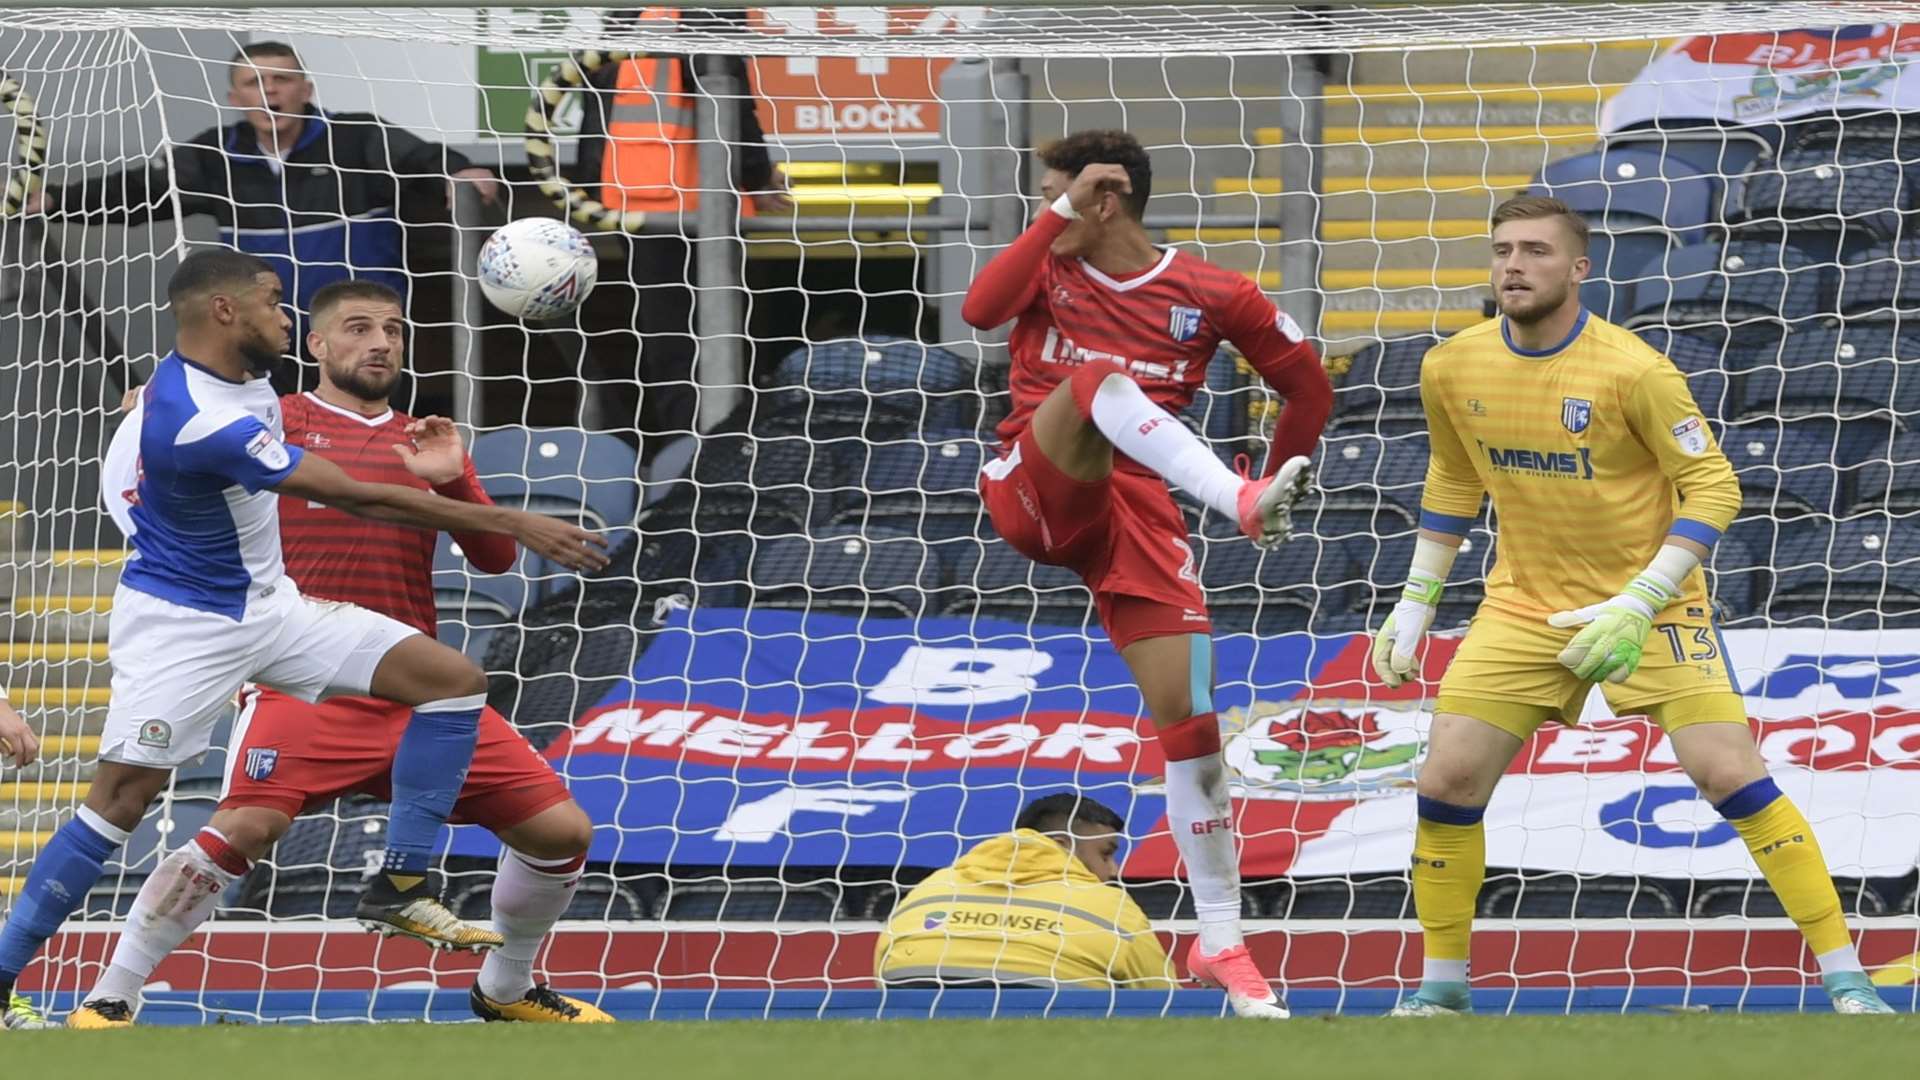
(1593, 451)
(1020, 908)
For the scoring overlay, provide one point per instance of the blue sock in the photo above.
(62, 874)
(428, 771)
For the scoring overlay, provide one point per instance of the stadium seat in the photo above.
(1174, 900)
(930, 488)
(1714, 150)
(1736, 578)
(994, 581)
(1363, 473)
(1783, 470)
(1743, 282)
(470, 605)
(1381, 384)
(1882, 282)
(565, 472)
(321, 866)
(771, 484)
(1219, 408)
(1621, 261)
(1700, 354)
(1251, 591)
(1855, 188)
(1563, 898)
(1889, 482)
(1346, 898)
(1627, 188)
(849, 385)
(598, 898)
(751, 901)
(843, 570)
(1742, 900)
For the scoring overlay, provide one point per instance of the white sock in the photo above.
(1447, 971)
(1157, 439)
(528, 898)
(174, 900)
(1197, 795)
(1839, 960)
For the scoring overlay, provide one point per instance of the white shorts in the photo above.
(176, 669)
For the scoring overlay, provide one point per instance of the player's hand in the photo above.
(485, 184)
(129, 399)
(567, 544)
(18, 744)
(436, 455)
(1616, 630)
(1396, 645)
(1092, 184)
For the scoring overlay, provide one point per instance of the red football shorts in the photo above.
(291, 756)
(1122, 534)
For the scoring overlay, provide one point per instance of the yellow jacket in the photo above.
(1021, 908)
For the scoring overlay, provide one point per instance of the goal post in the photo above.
(813, 674)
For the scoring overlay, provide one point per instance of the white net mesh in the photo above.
(868, 681)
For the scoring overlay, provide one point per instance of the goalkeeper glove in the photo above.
(1616, 630)
(1398, 638)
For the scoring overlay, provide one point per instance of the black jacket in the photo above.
(324, 213)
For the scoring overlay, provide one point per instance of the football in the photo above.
(537, 268)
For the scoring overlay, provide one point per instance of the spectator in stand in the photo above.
(314, 193)
(638, 148)
(1036, 907)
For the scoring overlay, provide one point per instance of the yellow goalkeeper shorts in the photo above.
(1508, 673)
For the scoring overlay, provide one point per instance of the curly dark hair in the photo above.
(1058, 813)
(1084, 148)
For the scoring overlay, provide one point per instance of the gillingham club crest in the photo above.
(1183, 323)
(260, 762)
(1575, 414)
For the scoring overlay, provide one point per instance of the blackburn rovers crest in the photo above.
(1576, 414)
(1310, 750)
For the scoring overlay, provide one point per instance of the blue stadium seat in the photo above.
(1365, 473)
(1889, 482)
(1381, 383)
(1743, 282)
(1824, 371)
(1881, 282)
(876, 573)
(1621, 262)
(1700, 354)
(852, 384)
(1783, 470)
(929, 488)
(564, 472)
(1625, 188)
(1715, 151)
(994, 581)
(1736, 578)
(471, 605)
(1803, 557)
(1872, 576)
(322, 865)
(1275, 591)
(1219, 408)
(1857, 189)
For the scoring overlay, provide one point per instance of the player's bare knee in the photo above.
(121, 793)
(468, 680)
(563, 832)
(1455, 785)
(1718, 780)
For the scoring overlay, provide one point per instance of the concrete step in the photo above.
(81, 665)
(1603, 62)
(34, 818)
(56, 618)
(1384, 95)
(1460, 197)
(70, 572)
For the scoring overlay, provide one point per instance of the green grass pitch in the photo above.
(1682, 1047)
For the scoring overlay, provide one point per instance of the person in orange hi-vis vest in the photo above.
(639, 151)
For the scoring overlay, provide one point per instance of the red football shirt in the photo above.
(333, 555)
(1163, 325)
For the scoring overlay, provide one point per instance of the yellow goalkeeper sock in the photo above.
(1788, 855)
(1449, 862)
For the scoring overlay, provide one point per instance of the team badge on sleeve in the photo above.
(1575, 414)
(1183, 323)
(260, 762)
(1691, 434)
(267, 450)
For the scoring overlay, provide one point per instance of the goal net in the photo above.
(813, 674)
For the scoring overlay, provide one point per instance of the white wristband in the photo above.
(1064, 207)
(1673, 563)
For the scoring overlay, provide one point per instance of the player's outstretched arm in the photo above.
(322, 481)
(18, 744)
